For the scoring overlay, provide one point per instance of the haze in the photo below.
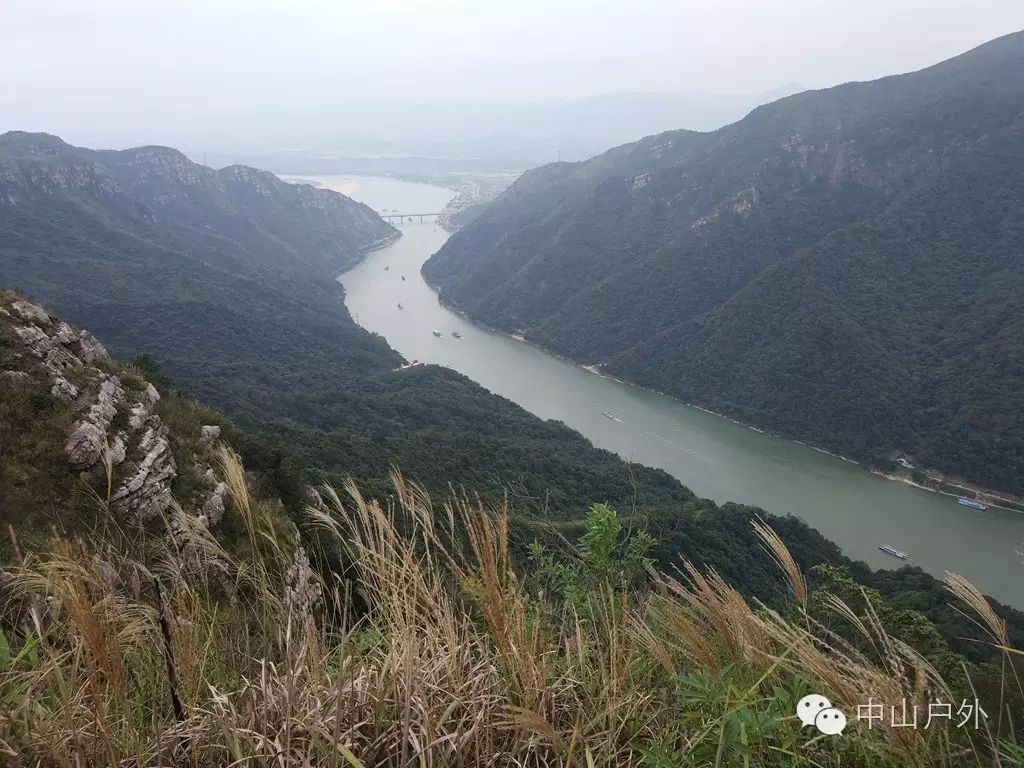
(225, 75)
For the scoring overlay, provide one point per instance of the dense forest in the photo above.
(841, 266)
(226, 280)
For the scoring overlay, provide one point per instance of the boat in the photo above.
(895, 552)
(400, 305)
(609, 415)
(403, 278)
(456, 334)
(437, 333)
(387, 268)
(972, 503)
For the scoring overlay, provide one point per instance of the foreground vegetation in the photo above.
(434, 647)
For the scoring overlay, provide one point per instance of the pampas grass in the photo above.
(450, 661)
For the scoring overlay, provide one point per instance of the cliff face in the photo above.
(80, 429)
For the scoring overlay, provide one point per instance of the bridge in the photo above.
(400, 217)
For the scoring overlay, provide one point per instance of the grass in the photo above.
(435, 648)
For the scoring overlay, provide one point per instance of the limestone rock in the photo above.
(33, 313)
(147, 493)
(64, 333)
(138, 416)
(54, 356)
(118, 450)
(85, 446)
(213, 507)
(89, 437)
(63, 389)
(210, 434)
(91, 349)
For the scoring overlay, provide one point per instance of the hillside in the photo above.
(839, 266)
(226, 278)
(90, 446)
(152, 583)
(203, 609)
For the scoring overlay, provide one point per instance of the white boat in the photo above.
(437, 333)
(456, 334)
(895, 552)
(400, 305)
(972, 503)
(609, 415)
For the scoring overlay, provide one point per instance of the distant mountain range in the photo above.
(445, 136)
(843, 266)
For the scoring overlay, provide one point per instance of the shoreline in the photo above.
(993, 496)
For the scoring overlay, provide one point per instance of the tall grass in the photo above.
(450, 659)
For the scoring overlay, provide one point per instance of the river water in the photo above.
(712, 455)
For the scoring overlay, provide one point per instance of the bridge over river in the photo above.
(400, 217)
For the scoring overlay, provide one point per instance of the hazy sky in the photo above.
(132, 69)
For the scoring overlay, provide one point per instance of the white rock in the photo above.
(118, 450)
(138, 416)
(63, 389)
(213, 508)
(85, 445)
(64, 333)
(92, 350)
(89, 437)
(209, 435)
(147, 493)
(31, 312)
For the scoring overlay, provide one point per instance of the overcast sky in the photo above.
(135, 70)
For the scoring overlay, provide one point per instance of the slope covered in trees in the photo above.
(841, 265)
(226, 278)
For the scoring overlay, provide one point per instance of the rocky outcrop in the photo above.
(32, 312)
(114, 423)
(210, 434)
(146, 494)
(214, 506)
(91, 349)
(89, 438)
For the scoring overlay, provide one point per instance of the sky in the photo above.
(116, 72)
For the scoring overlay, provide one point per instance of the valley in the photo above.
(712, 455)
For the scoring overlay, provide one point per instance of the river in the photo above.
(715, 457)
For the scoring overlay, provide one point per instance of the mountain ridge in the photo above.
(685, 229)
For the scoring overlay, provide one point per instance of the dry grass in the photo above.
(452, 662)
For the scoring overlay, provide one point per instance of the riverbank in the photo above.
(992, 497)
(717, 457)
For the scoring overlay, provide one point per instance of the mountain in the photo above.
(451, 138)
(91, 447)
(841, 266)
(226, 279)
(135, 536)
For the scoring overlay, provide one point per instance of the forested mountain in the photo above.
(90, 445)
(842, 265)
(226, 278)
